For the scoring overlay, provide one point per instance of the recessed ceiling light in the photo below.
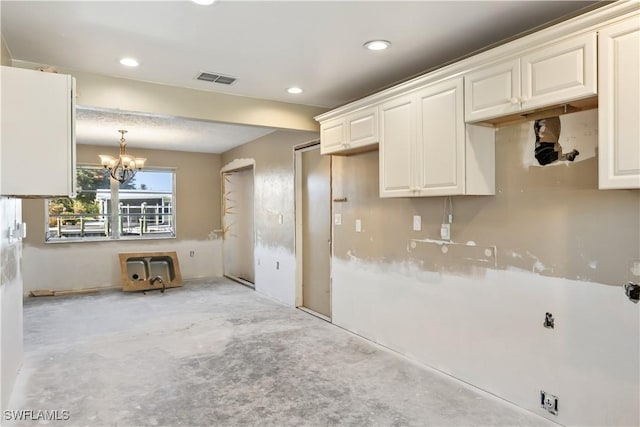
(129, 62)
(377, 44)
(203, 2)
(294, 90)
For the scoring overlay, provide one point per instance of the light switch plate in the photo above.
(417, 223)
(358, 226)
(337, 219)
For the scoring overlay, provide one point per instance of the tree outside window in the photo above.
(103, 209)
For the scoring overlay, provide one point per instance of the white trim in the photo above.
(238, 164)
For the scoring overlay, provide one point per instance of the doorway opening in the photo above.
(313, 231)
(238, 224)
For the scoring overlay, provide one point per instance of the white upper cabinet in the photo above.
(38, 133)
(398, 161)
(352, 132)
(424, 145)
(440, 140)
(552, 74)
(619, 105)
(431, 130)
(332, 136)
(493, 91)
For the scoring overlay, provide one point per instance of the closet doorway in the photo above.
(238, 223)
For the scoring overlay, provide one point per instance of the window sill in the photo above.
(106, 239)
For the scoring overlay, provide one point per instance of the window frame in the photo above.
(117, 237)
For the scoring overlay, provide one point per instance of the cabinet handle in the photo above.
(524, 99)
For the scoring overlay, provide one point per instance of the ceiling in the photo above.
(100, 127)
(267, 45)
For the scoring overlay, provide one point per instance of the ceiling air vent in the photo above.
(216, 78)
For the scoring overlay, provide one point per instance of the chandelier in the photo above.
(124, 167)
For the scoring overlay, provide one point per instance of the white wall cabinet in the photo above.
(38, 133)
(552, 74)
(351, 133)
(619, 105)
(397, 158)
(423, 144)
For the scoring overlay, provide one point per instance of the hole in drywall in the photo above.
(547, 148)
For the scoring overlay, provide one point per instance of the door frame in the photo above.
(237, 165)
(298, 150)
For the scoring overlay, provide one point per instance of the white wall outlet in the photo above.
(337, 219)
(417, 223)
(549, 402)
(280, 219)
(445, 231)
(192, 254)
(358, 226)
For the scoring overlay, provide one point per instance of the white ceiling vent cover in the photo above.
(216, 78)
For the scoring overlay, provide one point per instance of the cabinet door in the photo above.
(492, 91)
(619, 105)
(38, 133)
(397, 146)
(559, 73)
(332, 136)
(441, 139)
(362, 128)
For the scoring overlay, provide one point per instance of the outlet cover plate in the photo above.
(417, 223)
(549, 402)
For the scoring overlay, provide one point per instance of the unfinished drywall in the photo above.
(64, 266)
(10, 297)
(548, 241)
(550, 220)
(274, 209)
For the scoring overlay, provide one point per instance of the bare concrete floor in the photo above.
(217, 353)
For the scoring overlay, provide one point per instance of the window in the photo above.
(142, 208)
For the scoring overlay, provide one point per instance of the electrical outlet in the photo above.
(337, 219)
(445, 231)
(417, 223)
(277, 265)
(280, 219)
(192, 254)
(358, 226)
(549, 402)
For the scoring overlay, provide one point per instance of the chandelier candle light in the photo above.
(123, 168)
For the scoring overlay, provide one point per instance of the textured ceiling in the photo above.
(100, 127)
